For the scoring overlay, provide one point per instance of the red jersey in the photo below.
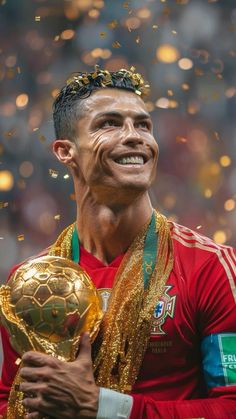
(189, 369)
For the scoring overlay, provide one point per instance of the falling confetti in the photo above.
(3, 204)
(37, 18)
(53, 173)
(42, 138)
(66, 176)
(20, 237)
(57, 217)
(113, 24)
(116, 44)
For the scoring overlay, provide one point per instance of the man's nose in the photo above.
(131, 135)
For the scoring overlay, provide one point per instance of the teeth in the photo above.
(131, 160)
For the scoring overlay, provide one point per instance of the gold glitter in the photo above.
(113, 24)
(3, 204)
(20, 237)
(116, 44)
(42, 138)
(125, 330)
(53, 173)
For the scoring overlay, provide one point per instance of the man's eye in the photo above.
(143, 124)
(109, 123)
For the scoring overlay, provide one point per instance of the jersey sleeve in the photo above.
(214, 301)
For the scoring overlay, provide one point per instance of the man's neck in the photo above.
(107, 233)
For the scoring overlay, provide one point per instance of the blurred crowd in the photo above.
(186, 49)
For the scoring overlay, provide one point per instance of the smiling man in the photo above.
(166, 346)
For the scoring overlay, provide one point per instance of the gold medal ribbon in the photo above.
(125, 329)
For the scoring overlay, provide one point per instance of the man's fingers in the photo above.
(34, 374)
(85, 347)
(38, 359)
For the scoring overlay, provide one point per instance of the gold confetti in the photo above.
(126, 5)
(57, 217)
(20, 237)
(174, 32)
(3, 204)
(56, 38)
(137, 40)
(35, 129)
(216, 134)
(113, 24)
(66, 176)
(116, 44)
(53, 173)
(37, 18)
(154, 27)
(170, 92)
(198, 71)
(199, 227)
(10, 133)
(42, 138)
(180, 139)
(21, 184)
(18, 70)
(185, 86)
(102, 35)
(18, 361)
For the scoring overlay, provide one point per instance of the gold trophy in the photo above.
(46, 305)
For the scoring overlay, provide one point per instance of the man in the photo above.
(167, 344)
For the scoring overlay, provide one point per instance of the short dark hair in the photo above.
(67, 106)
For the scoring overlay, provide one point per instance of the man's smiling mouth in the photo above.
(130, 160)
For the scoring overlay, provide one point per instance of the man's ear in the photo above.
(64, 150)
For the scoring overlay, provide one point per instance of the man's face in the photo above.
(115, 145)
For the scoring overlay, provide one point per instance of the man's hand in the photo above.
(60, 389)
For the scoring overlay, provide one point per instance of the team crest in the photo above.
(164, 308)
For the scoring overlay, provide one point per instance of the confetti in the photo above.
(20, 237)
(53, 173)
(174, 32)
(1, 238)
(35, 129)
(216, 134)
(3, 204)
(37, 18)
(199, 227)
(66, 176)
(137, 40)
(56, 38)
(116, 44)
(180, 139)
(72, 197)
(57, 217)
(18, 70)
(113, 24)
(42, 138)
(10, 133)
(126, 5)
(102, 35)
(155, 27)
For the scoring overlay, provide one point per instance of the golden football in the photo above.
(47, 304)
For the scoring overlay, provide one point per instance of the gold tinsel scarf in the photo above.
(125, 329)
